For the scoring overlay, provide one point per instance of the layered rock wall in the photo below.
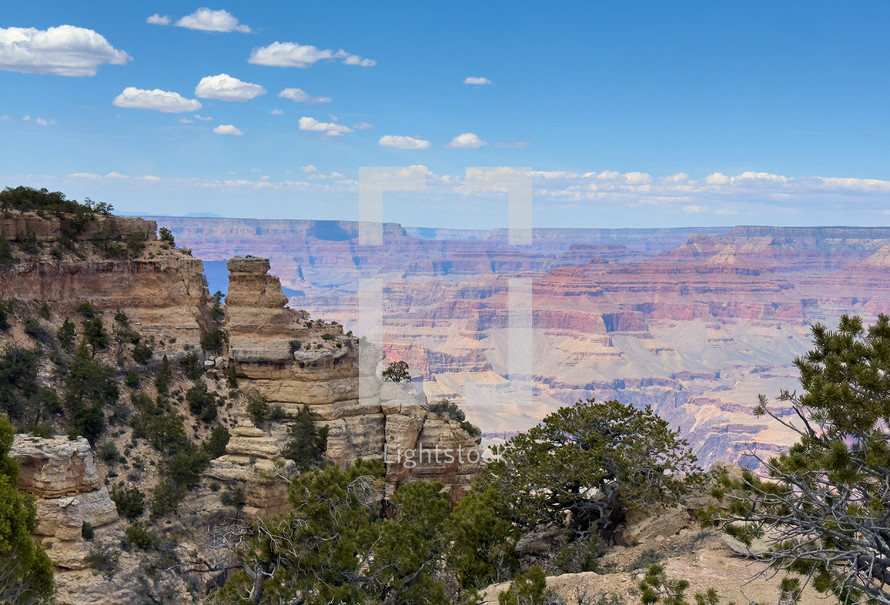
(62, 475)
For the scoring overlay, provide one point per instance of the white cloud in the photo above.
(403, 142)
(693, 209)
(208, 20)
(186, 121)
(637, 178)
(87, 176)
(65, 50)
(467, 140)
(42, 122)
(158, 19)
(276, 112)
(26, 118)
(158, 100)
(224, 87)
(726, 211)
(477, 80)
(313, 125)
(717, 178)
(116, 175)
(203, 118)
(362, 126)
(227, 129)
(513, 144)
(298, 95)
(310, 169)
(291, 54)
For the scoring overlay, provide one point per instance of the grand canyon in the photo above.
(694, 322)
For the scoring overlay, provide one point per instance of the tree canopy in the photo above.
(824, 506)
(25, 570)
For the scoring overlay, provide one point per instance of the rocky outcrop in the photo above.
(160, 288)
(292, 361)
(62, 475)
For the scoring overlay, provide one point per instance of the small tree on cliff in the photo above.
(397, 371)
(824, 506)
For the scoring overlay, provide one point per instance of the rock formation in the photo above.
(292, 361)
(62, 475)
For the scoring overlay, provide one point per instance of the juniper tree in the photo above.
(824, 506)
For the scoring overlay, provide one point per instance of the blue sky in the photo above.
(631, 114)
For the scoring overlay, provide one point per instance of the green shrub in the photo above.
(86, 531)
(66, 335)
(136, 243)
(107, 451)
(202, 403)
(212, 342)
(307, 443)
(6, 256)
(217, 442)
(191, 366)
(257, 408)
(94, 334)
(131, 380)
(87, 310)
(6, 307)
(162, 378)
(129, 501)
(166, 236)
(141, 538)
(645, 560)
(142, 353)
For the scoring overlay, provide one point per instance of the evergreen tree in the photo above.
(26, 572)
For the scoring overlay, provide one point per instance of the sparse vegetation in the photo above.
(397, 371)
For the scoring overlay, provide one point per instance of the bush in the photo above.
(34, 330)
(136, 243)
(129, 501)
(162, 378)
(6, 256)
(191, 366)
(212, 342)
(217, 442)
(86, 531)
(87, 310)
(142, 353)
(166, 236)
(449, 409)
(257, 408)
(107, 451)
(141, 538)
(307, 444)
(66, 335)
(131, 380)
(94, 334)
(202, 403)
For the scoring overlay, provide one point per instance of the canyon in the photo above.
(694, 322)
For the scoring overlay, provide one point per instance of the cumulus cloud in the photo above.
(224, 87)
(403, 142)
(513, 144)
(332, 129)
(158, 100)
(65, 50)
(467, 140)
(42, 122)
(291, 54)
(208, 20)
(717, 178)
(186, 121)
(227, 129)
(203, 118)
(158, 19)
(276, 112)
(298, 95)
(362, 126)
(477, 80)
